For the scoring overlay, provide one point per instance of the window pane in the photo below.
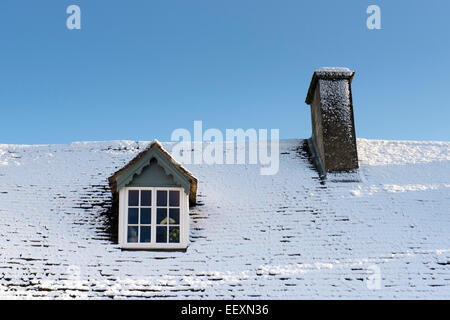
(174, 198)
(133, 197)
(146, 215)
(161, 234)
(161, 199)
(133, 215)
(174, 216)
(174, 234)
(161, 216)
(145, 234)
(146, 198)
(132, 234)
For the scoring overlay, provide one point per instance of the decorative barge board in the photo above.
(153, 193)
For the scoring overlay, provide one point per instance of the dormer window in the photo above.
(154, 193)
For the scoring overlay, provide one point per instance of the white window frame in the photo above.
(123, 220)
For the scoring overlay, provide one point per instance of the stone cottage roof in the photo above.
(287, 236)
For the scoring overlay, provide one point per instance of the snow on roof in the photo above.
(285, 236)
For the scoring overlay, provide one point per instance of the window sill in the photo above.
(154, 246)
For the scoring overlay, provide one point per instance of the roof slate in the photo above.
(288, 236)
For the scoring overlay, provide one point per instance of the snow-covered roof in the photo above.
(285, 236)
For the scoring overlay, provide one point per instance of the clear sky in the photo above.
(139, 69)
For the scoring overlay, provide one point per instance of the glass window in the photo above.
(158, 224)
(146, 215)
(132, 234)
(133, 198)
(139, 216)
(174, 216)
(161, 198)
(145, 234)
(168, 216)
(161, 234)
(174, 234)
(146, 198)
(161, 216)
(133, 216)
(174, 198)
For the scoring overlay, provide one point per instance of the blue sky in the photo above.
(140, 69)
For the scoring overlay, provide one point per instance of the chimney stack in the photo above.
(333, 141)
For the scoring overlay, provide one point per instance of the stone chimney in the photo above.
(333, 141)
